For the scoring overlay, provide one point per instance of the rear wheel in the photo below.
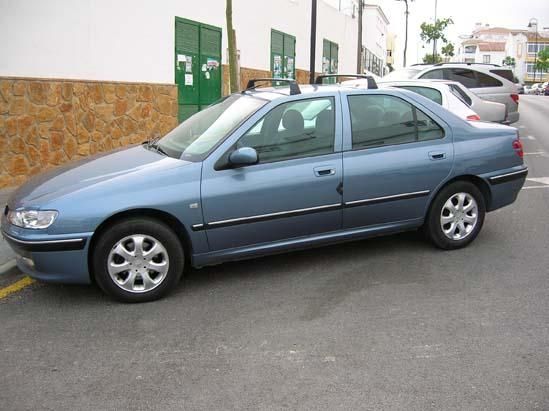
(138, 260)
(456, 216)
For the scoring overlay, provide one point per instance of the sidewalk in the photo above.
(7, 261)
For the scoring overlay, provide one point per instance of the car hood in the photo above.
(90, 172)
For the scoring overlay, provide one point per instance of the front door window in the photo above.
(303, 128)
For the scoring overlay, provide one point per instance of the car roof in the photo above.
(423, 82)
(274, 93)
(483, 68)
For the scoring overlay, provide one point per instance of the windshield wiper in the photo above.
(153, 144)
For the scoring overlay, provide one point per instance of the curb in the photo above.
(7, 267)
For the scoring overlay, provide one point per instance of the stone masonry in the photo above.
(46, 123)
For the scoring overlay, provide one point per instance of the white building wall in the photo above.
(375, 33)
(133, 40)
(126, 40)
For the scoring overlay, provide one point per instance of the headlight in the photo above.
(33, 219)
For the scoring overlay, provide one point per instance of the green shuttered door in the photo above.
(197, 65)
(330, 59)
(282, 55)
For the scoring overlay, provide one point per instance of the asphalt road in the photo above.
(390, 323)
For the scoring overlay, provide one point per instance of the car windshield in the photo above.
(194, 139)
(403, 74)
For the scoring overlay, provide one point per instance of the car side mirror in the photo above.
(243, 156)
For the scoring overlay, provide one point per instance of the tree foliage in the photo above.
(509, 61)
(543, 60)
(435, 31)
(448, 50)
(430, 59)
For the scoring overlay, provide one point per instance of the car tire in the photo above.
(138, 260)
(456, 216)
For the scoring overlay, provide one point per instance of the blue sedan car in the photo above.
(264, 171)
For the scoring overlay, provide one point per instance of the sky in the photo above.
(465, 13)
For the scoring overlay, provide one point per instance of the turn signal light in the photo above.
(517, 146)
(473, 117)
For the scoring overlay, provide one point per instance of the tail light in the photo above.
(517, 146)
(515, 97)
(473, 117)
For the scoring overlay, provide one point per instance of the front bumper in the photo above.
(61, 259)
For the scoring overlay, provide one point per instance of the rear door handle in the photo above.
(324, 171)
(437, 155)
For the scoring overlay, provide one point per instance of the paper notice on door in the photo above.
(188, 79)
(189, 65)
(181, 57)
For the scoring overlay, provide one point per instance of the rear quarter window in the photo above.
(430, 93)
(506, 74)
(458, 92)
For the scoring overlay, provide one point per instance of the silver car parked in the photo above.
(456, 95)
(485, 80)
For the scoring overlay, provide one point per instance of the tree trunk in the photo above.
(359, 43)
(231, 37)
(405, 35)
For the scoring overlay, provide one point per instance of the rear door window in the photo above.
(464, 76)
(484, 80)
(433, 74)
(382, 120)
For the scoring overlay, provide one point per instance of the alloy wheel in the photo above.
(138, 263)
(459, 216)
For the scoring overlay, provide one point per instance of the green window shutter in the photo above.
(326, 49)
(210, 42)
(334, 51)
(289, 45)
(277, 42)
(186, 36)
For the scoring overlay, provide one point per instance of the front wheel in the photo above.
(138, 260)
(456, 216)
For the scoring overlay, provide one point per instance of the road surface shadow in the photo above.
(344, 267)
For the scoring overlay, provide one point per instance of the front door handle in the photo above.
(437, 155)
(324, 171)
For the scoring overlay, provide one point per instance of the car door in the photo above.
(293, 190)
(395, 155)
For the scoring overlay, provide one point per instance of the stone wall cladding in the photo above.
(45, 123)
(246, 74)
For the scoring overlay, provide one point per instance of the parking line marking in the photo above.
(542, 180)
(530, 137)
(534, 153)
(16, 286)
(533, 187)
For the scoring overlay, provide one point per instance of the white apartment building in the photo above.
(493, 44)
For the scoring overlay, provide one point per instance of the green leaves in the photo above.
(543, 60)
(509, 61)
(448, 50)
(430, 59)
(430, 32)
